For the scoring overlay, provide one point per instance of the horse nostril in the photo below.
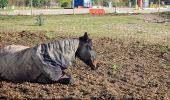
(95, 65)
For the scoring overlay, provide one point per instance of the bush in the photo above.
(36, 3)
(105, 4)
(3, 3)
(65, 4)
(39, 20)
(120, 4)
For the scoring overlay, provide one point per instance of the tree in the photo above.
(65, 3)
(36, 3)
(3, 3)
(102, 2)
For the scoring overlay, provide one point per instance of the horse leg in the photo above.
(43, 79)
(66, 79)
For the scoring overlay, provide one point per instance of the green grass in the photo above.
(9, 8)
(168, 66)
(114, 66)
(66, 24)
(124, 27)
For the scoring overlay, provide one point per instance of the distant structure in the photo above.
(83, 3)
(152, 3)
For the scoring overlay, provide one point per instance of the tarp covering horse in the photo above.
(44, 62)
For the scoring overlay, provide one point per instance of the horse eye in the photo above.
(90, 47)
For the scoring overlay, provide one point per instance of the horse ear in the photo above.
(86, 37)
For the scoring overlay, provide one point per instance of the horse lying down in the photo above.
(45, 63)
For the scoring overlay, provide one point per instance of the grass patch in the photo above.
(167, 66)
(166, 46)
(101, 26)
(66, 24)
(50, 35)
(140, 32)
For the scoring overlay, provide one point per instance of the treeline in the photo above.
(34, 3)
(61, 3)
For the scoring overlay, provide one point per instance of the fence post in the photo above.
(31, 7)
(73, 7)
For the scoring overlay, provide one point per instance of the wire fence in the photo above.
(51, 4)
(75, 6)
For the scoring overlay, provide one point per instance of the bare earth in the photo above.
(128, 70)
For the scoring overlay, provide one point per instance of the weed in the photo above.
(140, 32)
(167, 47)
(50, 35)
(141, 46)
(114, 66)
(167, 66)
(39, 20)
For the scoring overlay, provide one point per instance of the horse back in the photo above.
(12, 48)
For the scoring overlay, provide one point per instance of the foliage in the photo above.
(37, 3)
(3, 3)
(106, 3)
(65, 3)
(119, 4)
(39, 20)
(102, 2)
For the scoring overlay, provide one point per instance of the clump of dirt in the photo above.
(127, 71)
(165, 14)
(22, 38)
(155, 18)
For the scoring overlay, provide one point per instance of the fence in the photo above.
(53, 6)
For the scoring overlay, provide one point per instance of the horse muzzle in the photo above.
(94, 65)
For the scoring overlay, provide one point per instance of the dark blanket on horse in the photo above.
(20, 63)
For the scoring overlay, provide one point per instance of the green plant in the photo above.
(65, 4)
(119, 4)
(3, 3)
(141, 46)
(167, 47)
(39, 20)
(140, 32)
(114, 66)
(50, 35)
(167, 66)
(36, 3)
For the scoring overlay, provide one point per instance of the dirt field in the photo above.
(128, 71)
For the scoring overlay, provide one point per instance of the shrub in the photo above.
(39, 20)
(36, 3)
(3, 3)
(65, 4)
(120, 4)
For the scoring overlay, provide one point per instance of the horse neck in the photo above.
(67, 47)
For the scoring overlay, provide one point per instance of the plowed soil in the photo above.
(127, 71)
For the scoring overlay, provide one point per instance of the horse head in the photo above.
(86, 52)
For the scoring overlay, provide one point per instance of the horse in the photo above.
(45, 63)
